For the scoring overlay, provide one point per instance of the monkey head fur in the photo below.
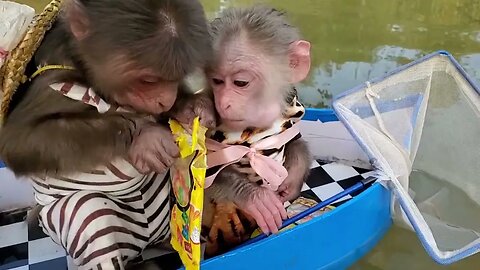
(258, 55)
(137, 52)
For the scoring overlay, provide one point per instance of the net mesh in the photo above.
(421, 129)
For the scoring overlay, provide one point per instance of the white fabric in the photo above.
(421, 130)
(82, 93)
(14, 21)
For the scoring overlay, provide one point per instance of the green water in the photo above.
(356, 40)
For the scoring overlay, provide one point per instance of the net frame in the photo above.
(396, 179)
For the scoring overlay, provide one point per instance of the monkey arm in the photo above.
(260, 203)
(297, 162)
(49, 133)
(230, 185)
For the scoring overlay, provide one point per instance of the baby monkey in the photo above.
(258, 57)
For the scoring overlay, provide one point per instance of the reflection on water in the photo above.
(354, 41)
(331, 78)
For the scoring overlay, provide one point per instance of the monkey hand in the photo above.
(153, 149)
(199, 105)
(265, 207)
(290, 189)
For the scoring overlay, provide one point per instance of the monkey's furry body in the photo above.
(227, 213)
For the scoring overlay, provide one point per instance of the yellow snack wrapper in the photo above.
(188, 179)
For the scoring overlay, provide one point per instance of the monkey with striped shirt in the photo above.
(91, 135)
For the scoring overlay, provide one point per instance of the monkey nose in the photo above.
(162, 108)
(166, 101)
(226, 107)
(167, 104)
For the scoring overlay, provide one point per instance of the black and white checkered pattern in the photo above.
(24, 246)
(329, 179)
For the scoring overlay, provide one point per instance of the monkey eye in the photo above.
(217, 81)
(240, 83)
(150, 79)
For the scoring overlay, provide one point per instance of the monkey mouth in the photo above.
(235, 121)
(234, 124)
(230, 118)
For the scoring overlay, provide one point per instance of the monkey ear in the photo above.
(77, 19)
(300, 60)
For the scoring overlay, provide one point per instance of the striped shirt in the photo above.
(107, 216)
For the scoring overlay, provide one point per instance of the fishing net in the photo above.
(420, 127)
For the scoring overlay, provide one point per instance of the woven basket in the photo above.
(12, 73)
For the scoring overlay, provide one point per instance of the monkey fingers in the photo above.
(138, 162)
(268, 211)
(168, 144)
(257, 215)
(269, 216)
(283, 188)
(162, 157)
(283, 192)
(153, 149)
(141, 166)
(273, 204)
(156, 163)
(288, 192)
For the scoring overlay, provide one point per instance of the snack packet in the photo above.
(187, 175)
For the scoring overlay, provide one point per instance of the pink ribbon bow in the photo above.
(272, 171)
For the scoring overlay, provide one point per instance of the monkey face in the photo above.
(258, 55)
(150, 94)
(245, 93)
(139, 87)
